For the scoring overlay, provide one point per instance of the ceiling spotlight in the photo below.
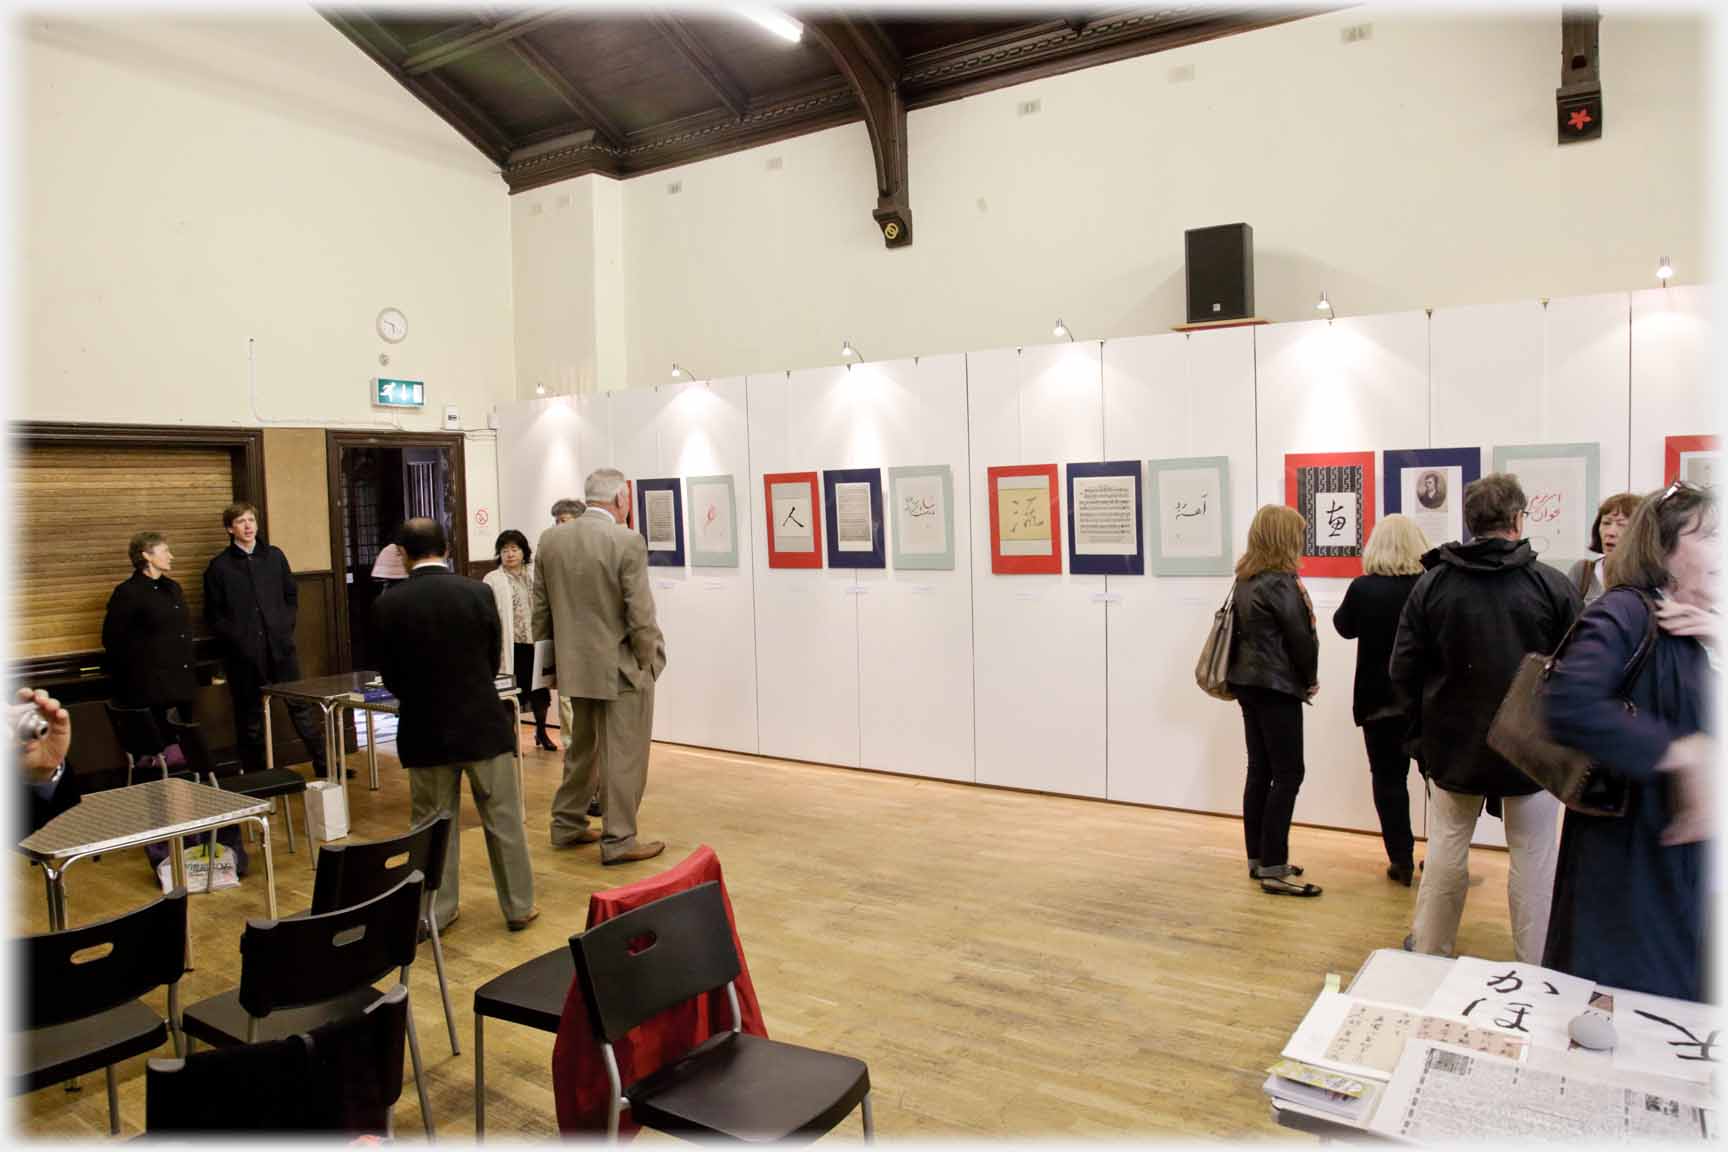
(539, 387)
(677, 372)
(1061, 332)
(1665, 271)
(847, 352)
(1324, 305)
(778, 23)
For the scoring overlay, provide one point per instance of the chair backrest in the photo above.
(644, 961)
(190, 737)
(290, 963)
(136, 731)
(344, 1077)
(94, 967)
(354, 872)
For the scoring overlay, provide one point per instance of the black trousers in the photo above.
(245, 687)
(1389, 766)
(1272, 725)
(523, 658)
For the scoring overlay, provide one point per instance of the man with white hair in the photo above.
(592, 600)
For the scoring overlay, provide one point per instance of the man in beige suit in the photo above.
(591, 599)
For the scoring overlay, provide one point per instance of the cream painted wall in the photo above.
(197, 181)
(1416, 168)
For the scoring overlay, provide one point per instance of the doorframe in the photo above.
(334, 442)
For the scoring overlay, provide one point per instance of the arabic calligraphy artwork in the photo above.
(1694, 459)
(1334, 491)
(1105, 526)
(1427, 485)
(660, 520)
(1190, 502)
(1023, 520)
(1560, 493)
(713, 522)
(794, 519)
(922, 503)
(852, 498)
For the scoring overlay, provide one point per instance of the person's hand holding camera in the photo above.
(42, 756)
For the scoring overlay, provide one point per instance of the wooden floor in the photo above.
(1008, 964)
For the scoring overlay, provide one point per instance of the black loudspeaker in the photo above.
(1220, 264)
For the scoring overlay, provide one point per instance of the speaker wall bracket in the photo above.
(1578, 100)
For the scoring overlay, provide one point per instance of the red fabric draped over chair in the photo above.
(579, 1083)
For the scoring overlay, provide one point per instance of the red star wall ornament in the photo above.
(1578, 114)
(1578, 119)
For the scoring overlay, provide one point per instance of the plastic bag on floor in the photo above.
(200, 876)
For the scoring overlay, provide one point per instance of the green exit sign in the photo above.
(399, 393)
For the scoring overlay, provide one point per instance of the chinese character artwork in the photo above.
(1024, 524)
(1334, 492)
(1519, 999)
(794, 520)
(1668, 1037)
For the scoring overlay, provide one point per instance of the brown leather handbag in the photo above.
(1212, 670)
(1520, 731)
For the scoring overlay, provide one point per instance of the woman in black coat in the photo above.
(1630, 891)
(1392, 562)
(147, 635)
(1274, 664)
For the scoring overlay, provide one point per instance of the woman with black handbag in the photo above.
(1630, 890)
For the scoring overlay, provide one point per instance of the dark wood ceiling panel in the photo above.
(763, 64)
(418, 32)
(516, 99)
(912, 36)
(628, 68)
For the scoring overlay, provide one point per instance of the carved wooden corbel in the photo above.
(876, 81)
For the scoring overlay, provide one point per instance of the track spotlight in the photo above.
(539, 387)
(1665, 271)
(847, 352)
(1324, 306)
(1061, 331)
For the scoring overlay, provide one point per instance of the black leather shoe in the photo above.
(1401, 873)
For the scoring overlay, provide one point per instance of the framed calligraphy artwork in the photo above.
(1334, 491)
(794, 519)
(1560, 493)
(1427, 485)
(1106, 527)
(660, 520)
(713, 522)
(922, 516)
(1693, 459)
(1190, 516)
(1023, 520)
(852, 498)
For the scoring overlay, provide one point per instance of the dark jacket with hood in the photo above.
(1470, 619)
(1273, 644)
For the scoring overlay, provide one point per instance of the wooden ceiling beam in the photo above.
(573, 97)
(875, 80)
(479, 39)
(702, 62)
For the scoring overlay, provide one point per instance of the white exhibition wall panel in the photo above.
(806, 619)
(1355, 384)
(707, 695)
(1671, 380)
(915, 626)
(1587, 385)
(539, 461)
(1486, 377)
(1169, 744)
(1038, 660)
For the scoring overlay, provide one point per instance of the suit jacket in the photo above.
(437, 637)
(591, 599)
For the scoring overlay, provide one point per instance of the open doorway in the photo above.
(378, 480)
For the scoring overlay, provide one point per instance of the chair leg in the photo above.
(479, 1077)
(288, 820)
(113, 1102)
(443, 986)
(419, 1074)
(869, 1124)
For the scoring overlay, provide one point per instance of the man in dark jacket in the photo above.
(249, 604)
(437, 635)
(1473, 615)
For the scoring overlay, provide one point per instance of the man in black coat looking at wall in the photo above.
(1469, 621)
(250, 604)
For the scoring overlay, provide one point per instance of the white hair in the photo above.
(602, 486)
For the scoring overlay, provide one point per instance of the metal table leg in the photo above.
(177, 863)
(371, 748)
(269, 741)
(56, 882)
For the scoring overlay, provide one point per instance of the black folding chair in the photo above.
(353, 872)
(263, 784)
(82, 1009)
(530, 994)
(345, 1077)
(299, 974)
(138, 735)
(732, 1085)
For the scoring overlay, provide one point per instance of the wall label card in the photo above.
(1427, 485)
(1694, 459)
(660, 520)
(922, 503)
(1105, 526)
(713, 522)
(794, 519)
(1334, 492)
(1190, 510)
(1560, 492)
(1023, 520)
(853, 501)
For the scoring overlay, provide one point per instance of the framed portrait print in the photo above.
(1106, 529)
(713, 522)
(1427, 485)
(1334, 491)
(1023, 519)
(660, 520)
(921, 512)
(1189, 498)
(794, 514)
(1560, 491)
(852, 499)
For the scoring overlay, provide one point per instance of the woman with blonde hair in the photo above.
(1274, 662)
(1369, 615)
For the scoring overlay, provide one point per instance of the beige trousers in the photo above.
(493, 785)
(606, 745)
(564, 725)
(1532, 838)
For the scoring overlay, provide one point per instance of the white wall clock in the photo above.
(392, 325)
